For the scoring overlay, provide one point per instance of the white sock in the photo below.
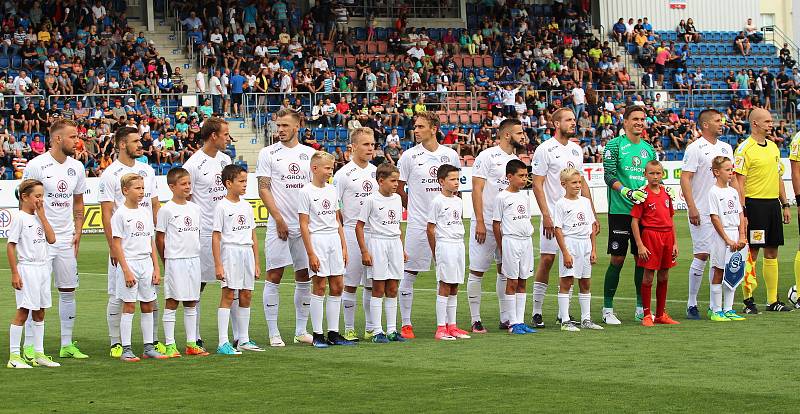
(196, 320)
(366, 299)
(14, 338)
(271, 302)
(113, 317)
(716, 297)
(147, 327)
(125, 328)
(349, 305)
(452, 305)
(189, 322)
(317, 308)
(406, 291)
(390, 307)
(474, 296)
(539, 290)
(235, 316)
(585, 300)
(29, 330)
(376, 309)
(441, 310)
(154, 321)
(695, 280)
(302, 301)
(169, 326)
(332, 309)
(243, 319)
(38, 336)
(563, 306)
(66, 312)
(727, 298)
(520, 300)
(509, 309)
(500, 289)
(223, 317)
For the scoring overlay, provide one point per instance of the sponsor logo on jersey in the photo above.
(294, 168)
(521, 209)
(433, 170)
(366, 186)
(326, 204)
(644, 153)
(61, 186)
(636, 161)
(581, 217)
(139, 226)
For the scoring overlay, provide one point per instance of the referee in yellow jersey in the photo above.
(759, 171)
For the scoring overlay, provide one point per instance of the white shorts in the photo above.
(581, 251)
(62, 261)
(182, 279)
(355, 273)
(703, 235)
(418, 249)
(387, 258)
(112, 272)
(328, 248)
(281, 253)
(547, 246)
(719, 249)
(143, 290)
(450, 261)
(517, 258)
(481, 255)
(207, 271)
(35, 292)
(239, 266)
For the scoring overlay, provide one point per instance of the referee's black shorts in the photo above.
(620, 235)
(764, 222)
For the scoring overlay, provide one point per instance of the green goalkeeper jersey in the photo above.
(624, 161)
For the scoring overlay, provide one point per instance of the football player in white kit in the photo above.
(283, 169)
(64, 184)
(129, 146)
(205, 169)
(549, 160)
(696, 181)
(418, 167)
(488, 180)
(354, 183)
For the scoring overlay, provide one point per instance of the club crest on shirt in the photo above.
(326, 204)
(240, 219)
(392, 215)
(666, 203)
(139, 226)
(730, 203)
(187, 221)
(455, 214)
(303, 157)
(570, 164)
(39, 231)
(433, 171)
(143, 173)
(294, 168)
(218, 179)
(71, 172)
(581, 217)
(367, 186)
(222, 163)
(575, 152)
(444, 158)
(644, 153)
(521, 209)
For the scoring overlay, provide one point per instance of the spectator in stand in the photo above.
(618, 30)
(752, 33)
(742, 44)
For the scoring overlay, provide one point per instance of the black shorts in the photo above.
(237, 98)
(620, 235)
(764, 222)
(659, 69)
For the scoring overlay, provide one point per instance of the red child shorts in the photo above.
(659, 243)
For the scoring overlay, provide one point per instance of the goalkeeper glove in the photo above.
(636, 196)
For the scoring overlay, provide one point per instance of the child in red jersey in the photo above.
(654, 232)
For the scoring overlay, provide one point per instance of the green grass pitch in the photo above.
(697, 366)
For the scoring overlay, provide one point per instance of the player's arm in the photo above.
(256, 269)
(216, 251)
(562, 245)
(430, 231)
(610, 170)
(593, 239)
(478, 185)
(587, 192)
(49, 234)
(541, 201)
(686, 188)
(403, 242)
(265, 193)
(637, 236)
(795, 167)
(160, 244)
(156, 269)
(362, 244)
(498, 234)
(717, 223)
(401, 190)
(106, 211)
(341, 236)
(118, 253)
(741, 181)
(11, 252)
(155, 204)
(313, 260)
(787, 216)
(78, 217)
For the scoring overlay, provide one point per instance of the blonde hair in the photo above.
(359, 132)
(26, 187)
(430, 117)
(568, 173)
(321, 156)
(718, 161)
(127, 180)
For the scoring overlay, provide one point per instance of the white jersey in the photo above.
(574, 217)
(353, 185)
(289, 169)
(27, 233)
(513, 211)
(724, 203)
(61, 183)
(418, 168)
(110, 188)
(445, 213)
(320, 205)
(549, 159)
(235, 222)
(135, 228)
(697, 159)
(490, 165)
(207, 185)
(381, 215)
(180, 224)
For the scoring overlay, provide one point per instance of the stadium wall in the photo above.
(724, 15)
(593, 172)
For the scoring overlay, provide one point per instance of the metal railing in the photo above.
(775, 35)
(412, 9)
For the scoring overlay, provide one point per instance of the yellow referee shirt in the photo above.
(762, 166)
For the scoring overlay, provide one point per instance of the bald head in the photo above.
(760, 122)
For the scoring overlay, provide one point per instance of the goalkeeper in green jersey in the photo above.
(623, 162)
